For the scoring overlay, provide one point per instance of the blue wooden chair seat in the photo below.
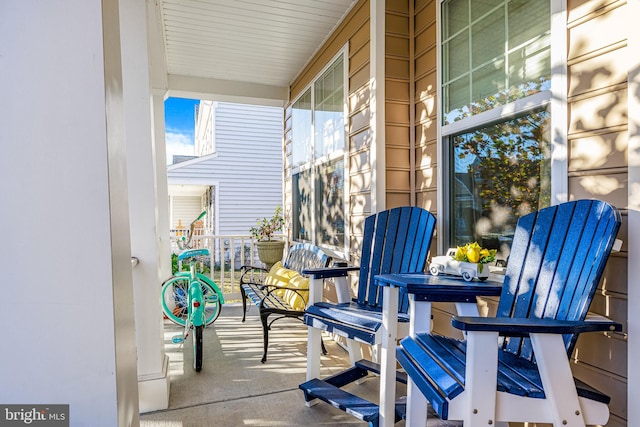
(444, 358)
(394, 241)
(514, 367)
(351, 320)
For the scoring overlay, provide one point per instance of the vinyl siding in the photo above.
(598, 126)
(246, 167)
(184, 209)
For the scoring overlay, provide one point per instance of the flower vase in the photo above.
(270, 252)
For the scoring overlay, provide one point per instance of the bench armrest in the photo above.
(514, 327)
(249, 271)
(273, 288)
(328, 272)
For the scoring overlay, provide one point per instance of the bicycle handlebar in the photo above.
(181, 242)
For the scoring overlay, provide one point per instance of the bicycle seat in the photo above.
(192, 253)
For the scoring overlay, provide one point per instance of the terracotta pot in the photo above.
(270, 252)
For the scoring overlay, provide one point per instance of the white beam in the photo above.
(226, 91)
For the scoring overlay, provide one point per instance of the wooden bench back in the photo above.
(557, 258)
(395, 241)
(305, 255)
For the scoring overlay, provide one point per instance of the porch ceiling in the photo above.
(246, 48)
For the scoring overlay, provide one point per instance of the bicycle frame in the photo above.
(203, 278)
(195, 301)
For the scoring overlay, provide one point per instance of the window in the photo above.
(496, 81)
(317, 156)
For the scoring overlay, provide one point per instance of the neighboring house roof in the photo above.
(179, 159)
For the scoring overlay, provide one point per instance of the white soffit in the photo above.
(260, 43)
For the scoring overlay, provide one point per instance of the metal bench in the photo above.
(266, 297)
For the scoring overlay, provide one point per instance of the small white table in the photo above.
(423, 289)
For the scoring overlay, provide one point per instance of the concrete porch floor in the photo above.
(235, 389)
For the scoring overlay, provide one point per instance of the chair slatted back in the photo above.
(395, 241)
(557, 258)
(305, 255)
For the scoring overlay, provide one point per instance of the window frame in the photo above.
(313, 164)
(555, 99)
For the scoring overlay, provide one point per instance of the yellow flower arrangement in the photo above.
(472, 252)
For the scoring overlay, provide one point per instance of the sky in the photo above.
(179, 119)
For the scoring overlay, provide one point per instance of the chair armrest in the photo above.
(514, 327)
(317, 276)
(328, 272)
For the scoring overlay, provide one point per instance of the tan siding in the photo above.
(398, 103)
(357, 19)
(398, 199)
(397, 45)
(398, 91)
(425, 90)
(358, 59)
(397, 113)
(597, 123)
(602, 151)
(354, 29)
(360, 78)
(397, 136)
(397, 158)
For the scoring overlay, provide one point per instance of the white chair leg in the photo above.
(416, 406)
(420, 313)
(376, 351)
(557, 380)
(313, 357)
(354, 348)
(313, 353)
(480, 379)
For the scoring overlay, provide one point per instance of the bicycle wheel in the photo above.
(197, 348)
(174, 297)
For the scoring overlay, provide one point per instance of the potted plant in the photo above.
(269, 249)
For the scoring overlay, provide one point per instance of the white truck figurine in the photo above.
(447, 264)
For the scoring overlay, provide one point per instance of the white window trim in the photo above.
(555, 98)
(342, 251)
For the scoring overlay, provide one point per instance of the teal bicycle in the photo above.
(191, 299)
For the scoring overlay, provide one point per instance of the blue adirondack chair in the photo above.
(557, 259)
(395, 241)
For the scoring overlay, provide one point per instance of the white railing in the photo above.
(228, 254)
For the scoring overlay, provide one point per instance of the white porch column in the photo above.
(377, 105)
(633, 226)
(162, 191)
(153, 379)
(69, 332)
